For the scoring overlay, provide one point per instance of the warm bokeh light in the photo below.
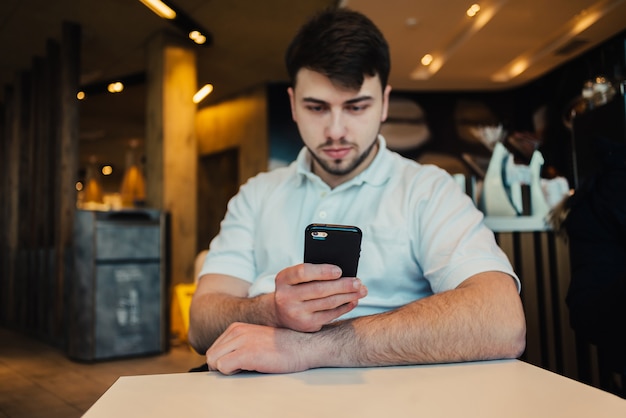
(427, 59)
(197, 37)
(519, 67)
(93, 191)
(80, 95)
(133, 188)
(160, 8)
(79, 186)
(116, 87)
(107, 170)
(473, 10)
(202, 93)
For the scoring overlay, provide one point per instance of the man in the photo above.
(433, 286)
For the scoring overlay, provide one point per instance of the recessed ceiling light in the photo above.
(564, 34)
(197, 37)
(160, 8)
(473, 10)
(202, 93)
(115, 87)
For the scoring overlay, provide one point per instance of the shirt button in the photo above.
(323, 214)
(323, 194)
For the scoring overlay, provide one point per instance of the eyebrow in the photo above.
(347, 102)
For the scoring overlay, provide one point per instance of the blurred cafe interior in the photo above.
(116, 170)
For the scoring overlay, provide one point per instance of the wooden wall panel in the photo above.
(39, 144)
(541, 260)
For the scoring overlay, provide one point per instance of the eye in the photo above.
(316, 108)
(357, 108)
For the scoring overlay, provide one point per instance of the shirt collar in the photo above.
(376, 174)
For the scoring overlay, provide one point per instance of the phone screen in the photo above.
(333, 244)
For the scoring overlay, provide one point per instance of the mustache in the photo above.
(330, 142)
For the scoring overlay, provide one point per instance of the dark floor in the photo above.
(38, 380)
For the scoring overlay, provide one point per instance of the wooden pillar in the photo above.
(24, 282)
(11, 171)
(19, 176)
(171, 147)
(67, 168)
(4, 273)
(49, 164)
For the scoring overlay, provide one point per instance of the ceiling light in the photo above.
(425, 71)
(181, 20)
(518, 67)
(197, 37)
(115, 87)
(110, 85)
(562, 36)
(473, 10)
(160, 8)
(467, 28)
(202, 93)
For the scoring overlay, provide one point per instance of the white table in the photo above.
(499, 389)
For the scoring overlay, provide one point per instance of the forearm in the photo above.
(307, 296)
(211, 313)
(465, 324)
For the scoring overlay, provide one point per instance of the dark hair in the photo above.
(342, 44)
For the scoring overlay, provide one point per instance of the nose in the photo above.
(336, 128)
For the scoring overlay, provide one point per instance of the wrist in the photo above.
(266, 310)
(332, 346)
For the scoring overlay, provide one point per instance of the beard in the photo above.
(335, 168)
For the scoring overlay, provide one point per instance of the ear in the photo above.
(292, 101)
(385, 109)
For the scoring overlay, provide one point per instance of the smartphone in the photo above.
(333, 244)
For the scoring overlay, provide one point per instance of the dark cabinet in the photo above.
(118, 291)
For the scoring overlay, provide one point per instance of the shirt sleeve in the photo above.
(455, 244)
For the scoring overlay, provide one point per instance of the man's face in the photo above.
(338, 126)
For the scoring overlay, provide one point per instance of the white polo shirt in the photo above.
(421, 233)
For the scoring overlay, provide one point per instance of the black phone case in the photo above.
(333, 244)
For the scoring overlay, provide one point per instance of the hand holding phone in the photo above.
(307, 297)
(333, 244)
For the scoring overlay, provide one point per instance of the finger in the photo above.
(228, 364)
(322, 271)
(323, 289)
(222, 360)
(306, 272)
(224, 344)
(328, 316)
(334, 300)
(229, 333)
